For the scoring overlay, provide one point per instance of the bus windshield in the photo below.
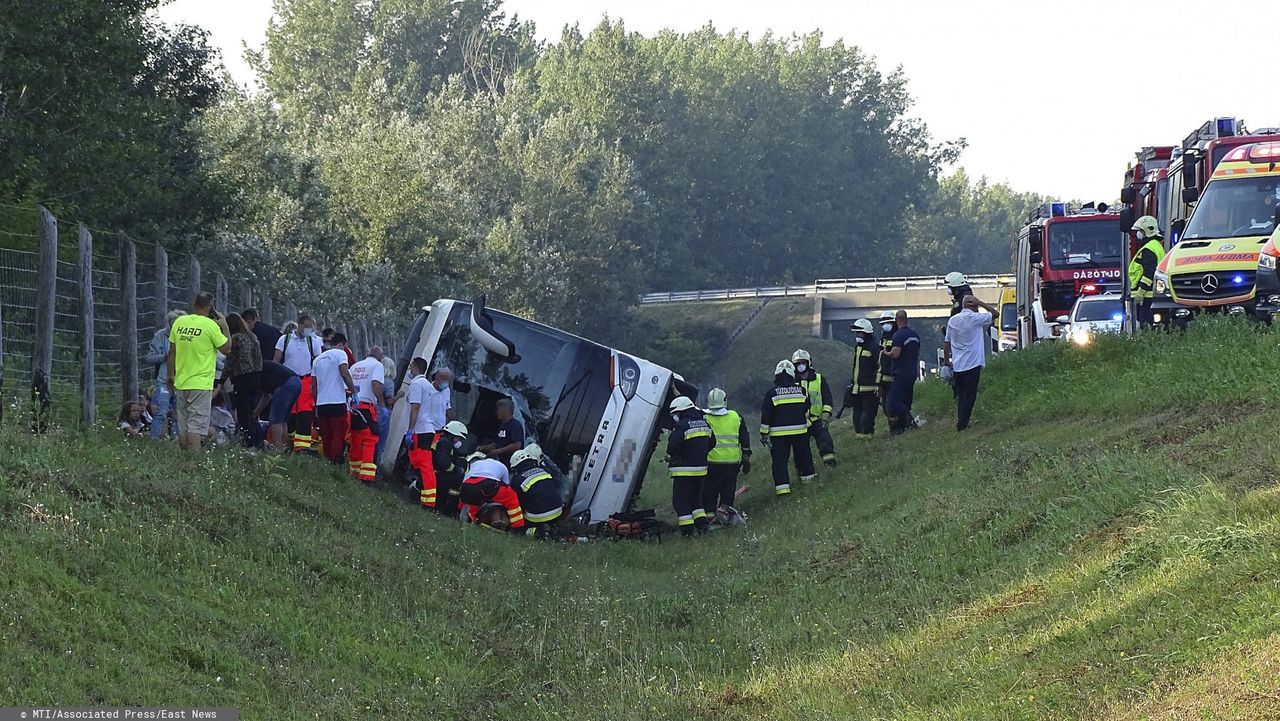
(560, 385)
(1085, 244)
(1235, 208)
(1009, 317)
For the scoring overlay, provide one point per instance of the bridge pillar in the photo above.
(815, 329)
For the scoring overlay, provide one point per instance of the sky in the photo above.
(1052, 97)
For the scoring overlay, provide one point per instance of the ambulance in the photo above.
(1215, 260)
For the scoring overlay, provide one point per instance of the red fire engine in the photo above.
(1062, 254)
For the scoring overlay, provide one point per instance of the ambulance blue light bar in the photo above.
(1226, 127)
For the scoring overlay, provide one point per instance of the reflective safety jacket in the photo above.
(689, 444)
(444, 457)
(732, 440)
(1142, 269)
(785, 411)
(866, 368)
(886, 344)
(819, 393)
(539, 495)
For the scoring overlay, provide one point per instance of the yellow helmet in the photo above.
(1148, 226)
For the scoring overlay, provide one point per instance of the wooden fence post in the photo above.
(290, 313)
(220, 293)
(2, 400)
(162, 287)
(266, 313)
(88, 378)
(47, 291)
(193, 279)
(128, 319)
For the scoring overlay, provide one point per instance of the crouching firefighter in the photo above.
(784, 427)
(538, 494)
(819, 392)
(865, 379)
(688, 446)
(448, 465)
(489, 482)
(731, 453)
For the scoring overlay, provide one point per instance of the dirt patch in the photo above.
(837, 561)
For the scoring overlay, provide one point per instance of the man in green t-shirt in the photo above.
(194, 342)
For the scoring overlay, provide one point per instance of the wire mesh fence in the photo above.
(124, 324)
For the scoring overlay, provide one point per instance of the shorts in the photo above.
(282, 400)
(193, 410)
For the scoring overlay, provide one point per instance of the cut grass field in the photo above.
(1102, 544)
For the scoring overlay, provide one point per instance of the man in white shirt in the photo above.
(297, 351)
(965, 351)
(369, 376)
(388, 398)
(333, 384)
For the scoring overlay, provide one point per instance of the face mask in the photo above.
(801, 368)
(886, 326)
(308, 332)
(675, 418)
(1141, 236)
(444, 385)
(457, 445)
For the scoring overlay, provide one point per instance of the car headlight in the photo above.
(1266, 262)
(1080, 337)
(1162, 283)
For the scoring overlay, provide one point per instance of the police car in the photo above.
(1093, 314)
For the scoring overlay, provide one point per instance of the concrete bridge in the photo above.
(837, 303)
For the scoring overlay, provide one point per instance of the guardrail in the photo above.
(841, 285)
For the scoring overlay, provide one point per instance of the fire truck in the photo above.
(1222, 197)
(1062, 254)
(1146, 187)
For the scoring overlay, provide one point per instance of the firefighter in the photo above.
(819, 392)
(538, 493)
(958, 285)
(864, 382)
(448, 465)
(688, 446)
(488, 481)
(784, 427)
(884, 378)
(731, 454)
(1142, 269)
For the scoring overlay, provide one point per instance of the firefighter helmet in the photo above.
(534, 450)
(521, 456)
(716, 399)
(455, 428)
(954, 279)
(785, 366)
(863, 325)
(681, 403)
(1148, 226)
(888, 315)
(477, 456)
(801, 355)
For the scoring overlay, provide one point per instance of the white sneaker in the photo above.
(919, 421)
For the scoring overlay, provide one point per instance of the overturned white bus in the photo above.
(595, 411)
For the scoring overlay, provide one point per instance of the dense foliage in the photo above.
(399, 150)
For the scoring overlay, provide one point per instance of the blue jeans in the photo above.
(160, 422)
(384, 427)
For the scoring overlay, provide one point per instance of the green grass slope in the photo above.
(1102, 544)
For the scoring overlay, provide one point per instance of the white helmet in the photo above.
(785, 366)
(521, 456)
(954, 279)
(801, 355)
(477, 456)
(888, 315)
(716, 399)
(863, 325)
(534, 450)
(455, 428)
(681, 403)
